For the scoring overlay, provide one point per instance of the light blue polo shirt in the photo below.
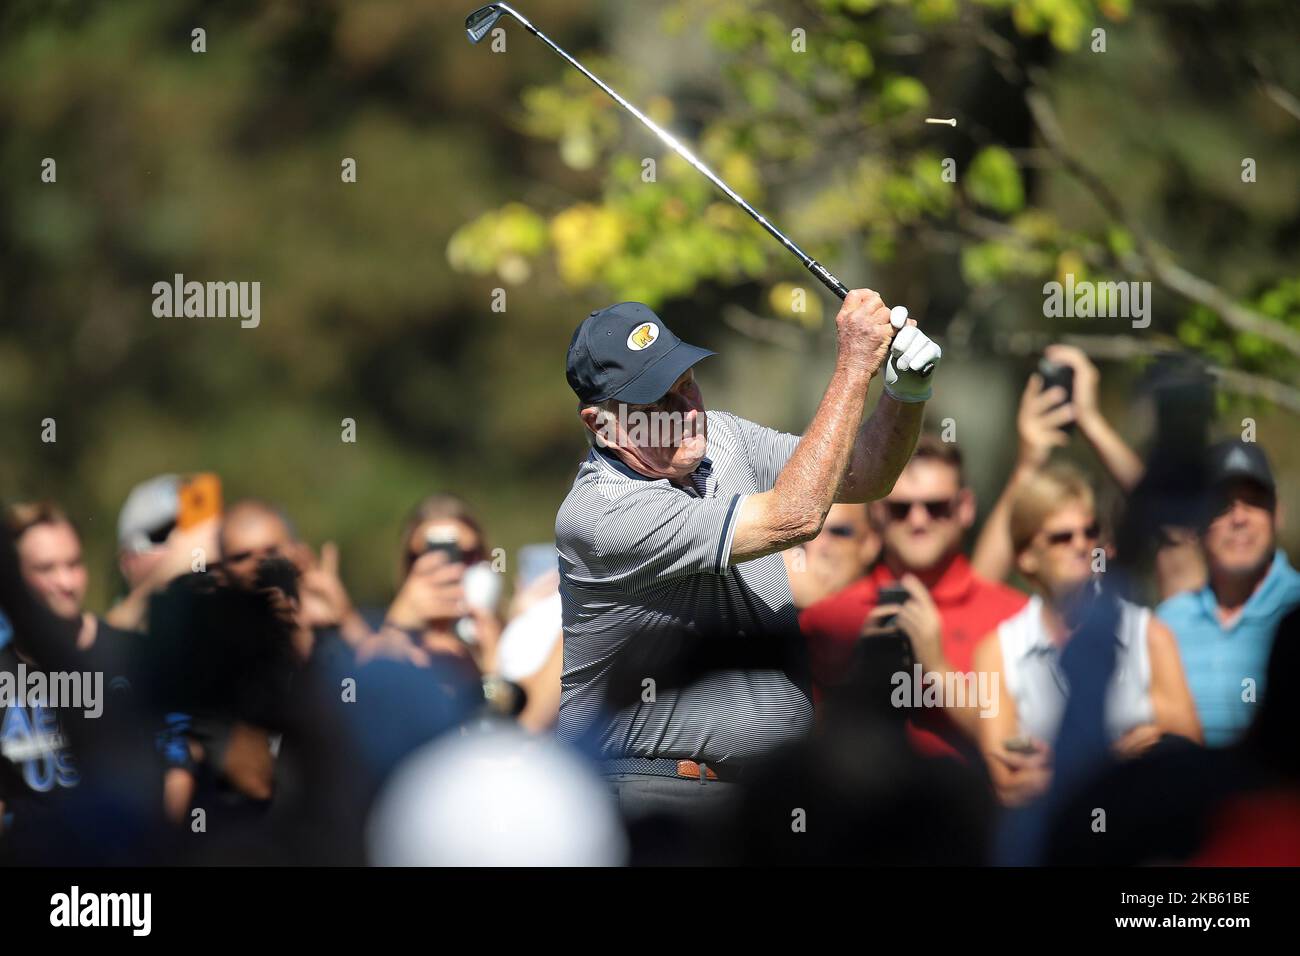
(1218, 660)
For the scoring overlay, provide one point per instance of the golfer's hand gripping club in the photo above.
(913, 358)
(916, 357)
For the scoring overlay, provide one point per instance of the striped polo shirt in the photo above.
(670, 650)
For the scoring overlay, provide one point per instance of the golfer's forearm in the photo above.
(805, 489)
(882, 450)
(794, 510)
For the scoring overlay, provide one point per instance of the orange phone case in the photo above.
(200, 499)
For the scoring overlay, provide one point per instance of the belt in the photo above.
(670, 767)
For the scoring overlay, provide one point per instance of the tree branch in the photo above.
(768, 331)
(1157, 263)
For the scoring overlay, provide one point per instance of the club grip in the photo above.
(827, 279)
(840, 289)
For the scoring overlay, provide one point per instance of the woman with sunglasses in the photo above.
(447, 601)
(1055, 534)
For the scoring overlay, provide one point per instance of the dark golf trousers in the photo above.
(641, 796)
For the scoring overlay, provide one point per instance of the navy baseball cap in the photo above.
(1240, 459)
(627, 353)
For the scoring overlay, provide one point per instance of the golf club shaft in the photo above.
(824, 275)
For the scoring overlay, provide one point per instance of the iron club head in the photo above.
(479, 23)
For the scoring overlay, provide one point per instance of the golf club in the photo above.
(479, 23)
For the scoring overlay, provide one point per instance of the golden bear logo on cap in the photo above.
(643, 336)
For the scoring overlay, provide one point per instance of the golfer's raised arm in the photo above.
(794, 510)
(884, 445)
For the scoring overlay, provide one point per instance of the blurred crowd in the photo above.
(1119, 646)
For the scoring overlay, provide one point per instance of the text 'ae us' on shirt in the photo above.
(670, 649)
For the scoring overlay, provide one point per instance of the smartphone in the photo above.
(891, 594)
(444, 540)
(199, 500)
(1058, 376)
(1020, 745)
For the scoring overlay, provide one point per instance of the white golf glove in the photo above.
(911, 351)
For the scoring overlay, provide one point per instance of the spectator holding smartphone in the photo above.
(159, 539)
(1043, 424)
(436, 610)
(254, 531)
(922, 522)
(1054, 532)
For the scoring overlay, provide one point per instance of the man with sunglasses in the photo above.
(922, 523)
(1225, 630)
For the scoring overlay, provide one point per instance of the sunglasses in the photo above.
(940, 510)
(840, 530)
(1090, 533)
(158, 536)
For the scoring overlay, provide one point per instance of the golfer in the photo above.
(682, 655)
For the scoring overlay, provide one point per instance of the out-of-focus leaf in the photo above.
(480, 246)
(586, 237)
(903, 94)
(993, 181)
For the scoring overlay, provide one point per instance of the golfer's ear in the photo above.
(591, 417)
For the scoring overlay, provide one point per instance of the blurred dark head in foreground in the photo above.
(857, 793)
